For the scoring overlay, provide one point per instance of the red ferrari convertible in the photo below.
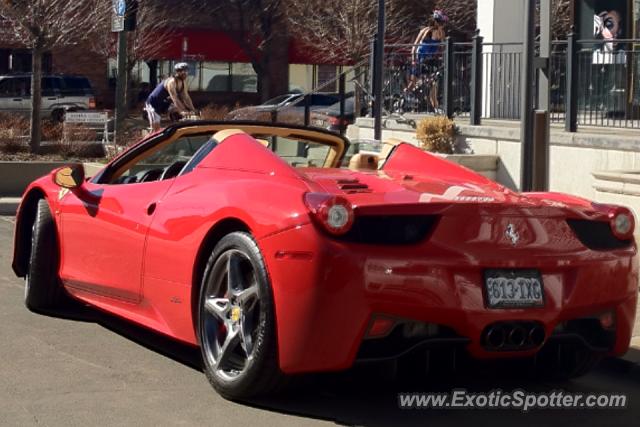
(253, 243)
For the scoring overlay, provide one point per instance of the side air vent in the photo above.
(597, 235)
(391, 229)
(351, 186)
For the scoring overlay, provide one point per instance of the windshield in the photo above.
(298, 152)
(175, 153)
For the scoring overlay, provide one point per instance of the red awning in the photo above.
(218, 46)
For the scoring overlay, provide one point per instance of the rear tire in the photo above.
(235, 301)
(42, 285)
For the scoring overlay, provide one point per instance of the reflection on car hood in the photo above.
(393, 188)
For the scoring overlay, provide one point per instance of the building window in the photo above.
(203, 76)
(193, 79)
(301, 77)
(165, 69)
(326, 78)
(215, 77)
(140, 72)
(243, 78)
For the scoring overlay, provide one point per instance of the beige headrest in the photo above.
(224, 134)
(364, 161)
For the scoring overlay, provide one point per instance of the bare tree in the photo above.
(560, 19)
(259, 27)
(462, 16)
(42, 25)
(155, 28)
(338, 31)
(154, 32)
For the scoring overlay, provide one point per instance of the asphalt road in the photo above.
(83, 367)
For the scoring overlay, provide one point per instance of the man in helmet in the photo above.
(171, 95)
(426, 58)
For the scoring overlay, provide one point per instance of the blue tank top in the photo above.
(159, 99)
(427, 49)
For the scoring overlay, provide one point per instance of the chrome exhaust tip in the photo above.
(536, 336)
(517, 336)
(496, 337)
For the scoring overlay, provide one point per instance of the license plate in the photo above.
(318, 123)
(513, 288)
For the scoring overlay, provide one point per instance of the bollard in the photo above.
(540, 150)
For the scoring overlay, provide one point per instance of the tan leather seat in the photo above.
(364, 161)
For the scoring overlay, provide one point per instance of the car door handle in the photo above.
(17, 99)
(51, 99)
(151, 208)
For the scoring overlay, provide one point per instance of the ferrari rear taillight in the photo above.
(621, 220)
(612, 229)
(622, 223)
(334, 213)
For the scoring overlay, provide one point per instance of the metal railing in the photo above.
(608, 76)
(592, 83)
(501, 80)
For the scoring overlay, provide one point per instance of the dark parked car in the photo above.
(288, 107)
(330, 118)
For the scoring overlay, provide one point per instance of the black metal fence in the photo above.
(592, 83)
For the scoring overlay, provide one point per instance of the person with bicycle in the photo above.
(426, 57)
(170, 96)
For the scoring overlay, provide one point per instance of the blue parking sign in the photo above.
(121, 7)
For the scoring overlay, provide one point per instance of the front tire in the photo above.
(42, 285)
(236, 321)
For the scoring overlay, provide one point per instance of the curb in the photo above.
(9, 205)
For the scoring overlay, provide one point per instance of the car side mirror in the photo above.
(70, 177)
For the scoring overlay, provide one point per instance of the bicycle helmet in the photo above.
(181, 66)
(439, 16)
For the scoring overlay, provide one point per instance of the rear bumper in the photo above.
(327, 292)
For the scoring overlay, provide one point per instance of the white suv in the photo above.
(60, 93)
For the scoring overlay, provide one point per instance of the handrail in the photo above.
(609, 41)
